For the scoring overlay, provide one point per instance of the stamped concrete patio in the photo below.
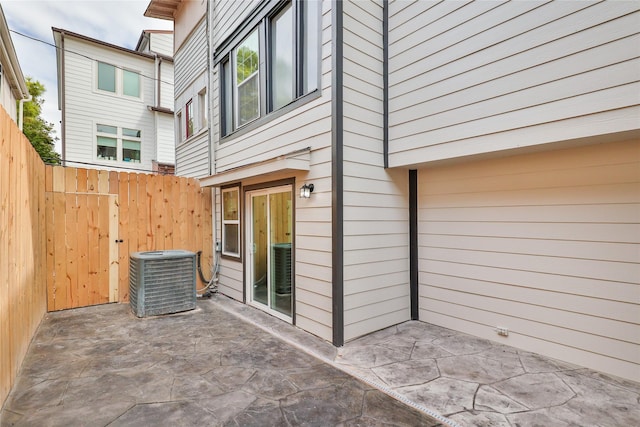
(229, 364)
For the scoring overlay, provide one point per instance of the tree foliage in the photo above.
(36, 129)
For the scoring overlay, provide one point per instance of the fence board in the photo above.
(123, 230)
(93, 238)
(103, 244)
(144, 225)
(82, 243)
(70, 227)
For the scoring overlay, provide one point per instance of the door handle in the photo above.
(119, 240)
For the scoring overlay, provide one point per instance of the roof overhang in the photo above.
(9, 57)
(296, 161)
(162, 9)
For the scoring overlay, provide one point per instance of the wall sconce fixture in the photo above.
(306, 190)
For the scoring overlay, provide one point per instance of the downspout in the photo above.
(63, 127)
(29, 98)
(212, 153)
(158, 63)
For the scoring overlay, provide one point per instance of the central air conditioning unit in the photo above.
(162, 282)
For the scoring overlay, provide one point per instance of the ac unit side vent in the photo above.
(162, 282)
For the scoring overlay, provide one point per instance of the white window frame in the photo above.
(235, 222)
(119, 81)
(119, 137)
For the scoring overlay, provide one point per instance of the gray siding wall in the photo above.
(307, 126)
(192, 154)
(191, 59)
(475, 77)
(543, 244)
(376, 242)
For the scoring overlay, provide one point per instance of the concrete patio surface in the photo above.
(230, 364)
(102, 366)
(467, 381)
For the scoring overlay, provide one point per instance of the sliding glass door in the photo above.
(269, 247)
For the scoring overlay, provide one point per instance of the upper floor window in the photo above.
(272, 65)
(189, 118)
(130, 83)
(118, 81)
(106, 77)
(203, 107)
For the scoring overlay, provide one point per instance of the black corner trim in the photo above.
(337, 184)
(413, 243)
(385, 80)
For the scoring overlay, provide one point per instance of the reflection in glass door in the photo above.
(269, 250)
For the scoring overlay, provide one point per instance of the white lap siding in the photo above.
(546, 245)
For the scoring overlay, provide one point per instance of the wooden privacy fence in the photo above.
(96, 219)
(23, 294)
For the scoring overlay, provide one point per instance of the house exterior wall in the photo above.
(544, 244)
(470, 78)
(164, 125)
(308, 125)
(192, 154)
(186, 18)
(85, 106)
(376, 241)
(161, 43)
(7, 99)
(167, 76)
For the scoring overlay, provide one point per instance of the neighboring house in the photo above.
(12, 83)
(191, 97)
(474, 165)
(116, 103)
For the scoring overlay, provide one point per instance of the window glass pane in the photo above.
(106, 148)
(107, 129)
(231, 239)
(247, 79)
(179, 134)
(227, 99)
(189, 113)
(248, 100)
(130, 83)
(131, 151)
(106, 77)
(131, 132)
(311, 45)
(282, 81)
(230, 203)
(202, 107)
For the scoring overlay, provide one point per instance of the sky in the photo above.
(119, 22)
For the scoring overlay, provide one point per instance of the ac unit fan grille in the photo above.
(162, 282)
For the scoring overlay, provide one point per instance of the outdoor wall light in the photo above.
(306, 190)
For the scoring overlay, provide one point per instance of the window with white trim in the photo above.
(231, 221)
(117, 80)
(272, 65)
(188, 112)
(203, 108)
(118, 144)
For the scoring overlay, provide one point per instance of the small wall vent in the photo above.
(162, 282)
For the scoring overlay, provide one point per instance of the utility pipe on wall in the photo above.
(21, 111)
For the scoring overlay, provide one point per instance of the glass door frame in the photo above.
(250, 192)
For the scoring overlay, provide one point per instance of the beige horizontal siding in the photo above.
(376, 287)
(462, 73)
(545, 244)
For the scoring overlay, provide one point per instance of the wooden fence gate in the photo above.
(95, 219)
